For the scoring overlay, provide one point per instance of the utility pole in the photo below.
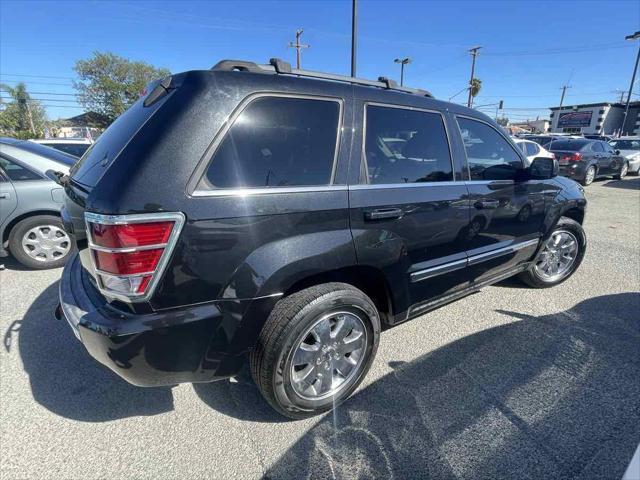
(474, 54)
(402, 62)
(354, 35)
(564, 89)
(298, 46)
(634, 36)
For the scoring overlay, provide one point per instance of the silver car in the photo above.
(30, 201)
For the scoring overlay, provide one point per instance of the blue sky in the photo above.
(530, 48)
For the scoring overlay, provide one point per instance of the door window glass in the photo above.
(597, 147)
(489, 154)
(406, 146)
(277, 142)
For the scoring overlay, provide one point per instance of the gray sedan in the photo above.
(30, 226)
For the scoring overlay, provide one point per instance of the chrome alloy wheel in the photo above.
(590, 176)
(328, 355)
(557, 257)
(46, 243)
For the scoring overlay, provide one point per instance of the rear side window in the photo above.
(489, 155)
(278, 142)
(597, 147)
(532, 148)
(405, 146)
(17, 172)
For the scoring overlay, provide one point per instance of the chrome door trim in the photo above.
(473, 260)
(483, 257)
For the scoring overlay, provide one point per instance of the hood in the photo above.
(629, 154)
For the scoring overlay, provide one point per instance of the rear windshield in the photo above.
(75, 149)
(97, 158)
(570, 145)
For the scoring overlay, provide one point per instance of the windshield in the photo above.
(570, 145)
(626, 144)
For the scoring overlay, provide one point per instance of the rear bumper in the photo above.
(574, 171)
(191, 344)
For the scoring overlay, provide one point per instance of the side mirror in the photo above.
(617, 152)
(543, 168)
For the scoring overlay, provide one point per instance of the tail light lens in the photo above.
(574, 157)
(129, 252)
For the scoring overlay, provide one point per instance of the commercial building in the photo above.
(596, 118)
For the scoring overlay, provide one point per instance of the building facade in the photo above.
(596, 118)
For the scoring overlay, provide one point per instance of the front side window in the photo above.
(16, 172)
(277, 142)
(405, 146)
(489, 155)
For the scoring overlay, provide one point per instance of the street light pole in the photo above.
(474, 54)
(402, 62)
(354, 35)
(635, 36)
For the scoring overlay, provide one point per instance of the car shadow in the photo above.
(65, 379)
(554, 396)
(628, 183)
(11, 263)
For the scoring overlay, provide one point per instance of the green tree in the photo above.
(476, 85)
(109, 84)
(21, 117)
(504, 121)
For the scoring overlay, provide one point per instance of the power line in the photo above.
(43, 99)
(34, 76)
(555, 51)
(37, 83)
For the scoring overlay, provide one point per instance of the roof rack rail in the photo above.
(279, 66)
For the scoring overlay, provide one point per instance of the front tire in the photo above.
(315, 348)
(623, 171)
(40, 242)
(560, 256)
(589, 176)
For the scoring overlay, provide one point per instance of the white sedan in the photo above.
(532, 150)
(630, 149)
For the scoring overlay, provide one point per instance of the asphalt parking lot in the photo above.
(508, 383)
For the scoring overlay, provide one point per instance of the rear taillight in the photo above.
(574, 157)
(129, 252)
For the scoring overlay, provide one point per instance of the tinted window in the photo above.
(47, 152)
(75, 149)
(570, 145)
(532, 149)
(17, 172)
(489, 155)
(607, 147)
(406, 146)
(277, 142)
(597, 147)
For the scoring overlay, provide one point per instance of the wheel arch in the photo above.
(6, 232)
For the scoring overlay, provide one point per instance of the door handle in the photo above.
(5, 195)
(486, 204)
(383, 214)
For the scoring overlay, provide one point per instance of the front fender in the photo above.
(571, 197)
(275, 267)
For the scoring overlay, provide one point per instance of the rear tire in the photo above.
(303, 349)
(40, 242)
(555, 256)
(589, 176)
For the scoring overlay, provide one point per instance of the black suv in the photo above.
(285, 217)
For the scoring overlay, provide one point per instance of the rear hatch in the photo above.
(88, 171)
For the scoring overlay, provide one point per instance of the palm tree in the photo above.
(476, 85)
(19, 113)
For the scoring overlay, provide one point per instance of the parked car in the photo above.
(545, 139)
(629, 148)
(267, 215)
(585, 160)
(72, 146)
(30, 201)
(532, 150)
(40, 157)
